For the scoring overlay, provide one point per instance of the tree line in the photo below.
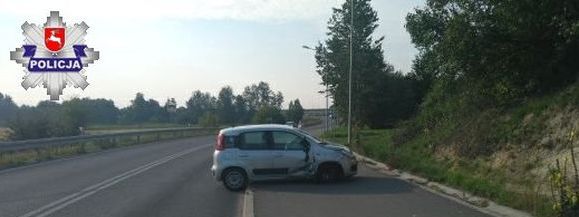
(472, 54)
(476, 55)
(258, 103)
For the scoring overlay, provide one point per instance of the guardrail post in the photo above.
(83, 148)
(138, 138)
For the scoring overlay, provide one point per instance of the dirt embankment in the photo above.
(544, 138)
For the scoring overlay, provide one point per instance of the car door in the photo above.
(290, 152)
(255, 152)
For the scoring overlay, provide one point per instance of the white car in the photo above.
(263, 152)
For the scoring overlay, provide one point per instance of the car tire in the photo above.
(328, 173)
(235, 179)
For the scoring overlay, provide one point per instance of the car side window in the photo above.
(253, 141)
(286, 141)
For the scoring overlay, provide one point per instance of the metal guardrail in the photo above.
(62, 141)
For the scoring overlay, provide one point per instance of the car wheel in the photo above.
(235, 179)
(328, 173)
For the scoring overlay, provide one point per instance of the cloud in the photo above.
(248, 10)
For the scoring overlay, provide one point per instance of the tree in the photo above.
(261, 95)
(198, 105)
(47, 119)
(51, 119)
(76, 111)
(268, 115)
(241, 108)
(7, 108)
(209, 119)
(399, 101)
(29, 123)
(169, 110)
(225, 107)
(182, 116)
(142, 111)
(370, 72)
(295, 111)
(264, 105)
(95, 111)
(496, 52)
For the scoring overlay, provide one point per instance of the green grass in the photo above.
(469, 175)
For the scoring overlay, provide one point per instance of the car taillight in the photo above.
(220, 145)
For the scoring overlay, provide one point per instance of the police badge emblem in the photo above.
(54, 55)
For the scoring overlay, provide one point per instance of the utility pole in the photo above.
(350, 74)
(327, 124)
(327, 109)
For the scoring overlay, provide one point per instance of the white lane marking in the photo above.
(248, 204)
(72, 198)
(59, 207)
(90, 188)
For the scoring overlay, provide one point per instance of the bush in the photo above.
(48, 119)
(208, 119)
(565, 186)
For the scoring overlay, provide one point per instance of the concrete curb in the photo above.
(481, 204)
(248, 204)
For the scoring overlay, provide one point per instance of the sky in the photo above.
(170, 48)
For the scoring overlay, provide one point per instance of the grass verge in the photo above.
(473, 176)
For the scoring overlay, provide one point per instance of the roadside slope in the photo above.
(500, 154)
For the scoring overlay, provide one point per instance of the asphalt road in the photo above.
(369, 194)
(158, 179)
(172, 179)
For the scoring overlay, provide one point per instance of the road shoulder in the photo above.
(481, 204)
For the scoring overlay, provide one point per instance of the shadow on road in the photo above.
(368, 194)
(356, 185)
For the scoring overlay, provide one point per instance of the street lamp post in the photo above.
(326, 125)
(327, 109)
(350, 74)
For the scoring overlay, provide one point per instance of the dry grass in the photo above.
(5, 134)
